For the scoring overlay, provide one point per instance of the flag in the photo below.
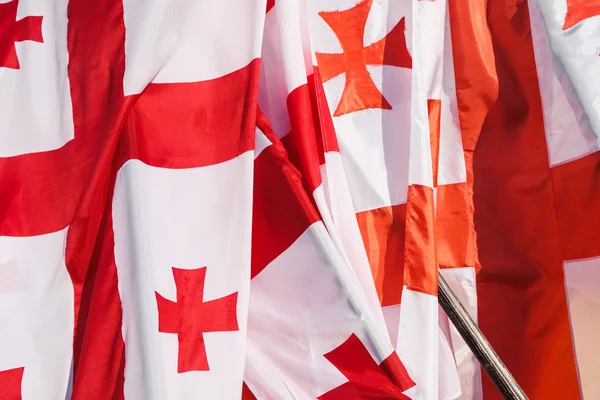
(254, 200)
(530, 146)
(130, 249)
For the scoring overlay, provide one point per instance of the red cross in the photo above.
(11, 31)
(190, 317)
(10, 384)
(360, 91)
(578, 10)
(366, 379)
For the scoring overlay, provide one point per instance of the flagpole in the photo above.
(481, 348)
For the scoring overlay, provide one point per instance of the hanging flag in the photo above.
(528, 135)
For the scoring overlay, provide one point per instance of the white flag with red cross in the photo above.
(134, 257)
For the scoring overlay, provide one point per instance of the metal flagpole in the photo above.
(495, 368)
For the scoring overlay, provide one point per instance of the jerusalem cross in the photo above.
(11, 31)
(190, 317)
(360, 92)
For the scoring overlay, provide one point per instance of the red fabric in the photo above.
(420, 263)
(11, 31)
(360, 92)
(456, 241)
(383, 232)
(522, 305)
(302, 143)
(578, 10)
(577, 202)
(10, 384)
(190, 317)
(366, 379)
(247, 393)
(434, 108)
(281, 208)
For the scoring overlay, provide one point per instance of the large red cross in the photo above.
(72, 186)
(10, 384)
(11, 31)
(366, 379)
(190, 317)
(360, 92)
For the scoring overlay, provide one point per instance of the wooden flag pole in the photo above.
(495, 368)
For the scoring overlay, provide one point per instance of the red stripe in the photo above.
(434, 110)
(383, 232)
(420, 266)
(171, 126)
(577, 200)
(312, 131)
(270, 4)
(522, 304)
(99, 350)
(326, 136)
(302, 143)
(185, 125)
(96, 38)
(282, 210)
(247, 393)
(456, 241)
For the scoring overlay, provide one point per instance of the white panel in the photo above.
(214, 38)
(35, 100)
(577, 48)
(582, 282)
(261, 142)
(298, 302)
(462, 281)
(420, 169)
(374, 143)
(432, 15)
(568, 132)
(335, 205)
(286, 61)
(451, 162)
(36, 313)
(188, 219)
(418, 345)
(392, 321)
(151, 33)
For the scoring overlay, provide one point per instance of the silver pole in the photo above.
(491, 363)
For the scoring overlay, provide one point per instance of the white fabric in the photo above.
(306, 323)
(462, 281)
(335, 205)
(568, 131)
(35, 100)
(451, 162)
(374, 143)
(582, 283)
(228, 33)
(577, 49)
(36, 314)
(285, 61)
(188, 219)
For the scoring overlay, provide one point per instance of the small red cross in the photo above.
(190, 317)
(10, 384)
(366, 379)
(360, 91)
(578, 10)
(11, 31)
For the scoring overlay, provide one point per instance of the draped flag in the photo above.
(254, 199)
